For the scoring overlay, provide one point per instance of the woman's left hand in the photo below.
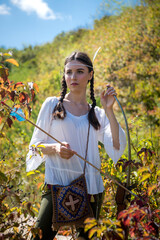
(107, 97)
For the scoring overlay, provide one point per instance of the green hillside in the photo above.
(128, 59)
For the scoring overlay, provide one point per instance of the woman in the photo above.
(67, 119)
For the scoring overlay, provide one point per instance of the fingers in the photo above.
(102, 94)
(110, 90)
(66, 145)
(65, 151)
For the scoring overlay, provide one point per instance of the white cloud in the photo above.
(40, 7)
(4, 10)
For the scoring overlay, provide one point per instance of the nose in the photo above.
(73, 76)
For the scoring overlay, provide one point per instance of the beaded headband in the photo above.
(74, 64)
(92, 60)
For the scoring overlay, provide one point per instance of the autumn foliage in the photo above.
(129, 59)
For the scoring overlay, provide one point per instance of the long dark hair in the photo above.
(59, 110)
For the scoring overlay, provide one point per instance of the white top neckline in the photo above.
(81, 116)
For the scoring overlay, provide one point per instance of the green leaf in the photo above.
(121, 235)
(143, 169)
(3, 177)
(17, 198)
(30, 173)
(158, 173)
(117, 223)
(107, 222)
(92, 232)
(33, 172)
(145, 177)
(89, 226)
(99, 232)
(90, 220)
(7, 54)
(41, 146)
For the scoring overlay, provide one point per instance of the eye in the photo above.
(68, 72)
(80, 71)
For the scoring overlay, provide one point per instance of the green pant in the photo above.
(44, 220)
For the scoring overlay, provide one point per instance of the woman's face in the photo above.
(77, 76)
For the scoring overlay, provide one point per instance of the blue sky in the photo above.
(36, 22)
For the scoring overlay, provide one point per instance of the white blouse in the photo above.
(73, 130)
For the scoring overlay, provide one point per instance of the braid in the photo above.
(59, 110)
(92, 116)
(92, 92)
(64, 89)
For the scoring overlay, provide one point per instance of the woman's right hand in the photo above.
(64, 150)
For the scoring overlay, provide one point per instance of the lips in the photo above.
(74, 84)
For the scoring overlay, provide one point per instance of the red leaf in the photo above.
(36, 87)
(156, 211)
(29, 110)
(122, 214)
(127, 221)
(10, 122)
(157, 215)
(18, 84)
(27, 98)
(33, 94)
(3, 93)
(22, 97)
(12, 95)
(132, 232)
(40, 233)
(155, 227)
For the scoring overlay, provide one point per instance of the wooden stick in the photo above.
(107, 174)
